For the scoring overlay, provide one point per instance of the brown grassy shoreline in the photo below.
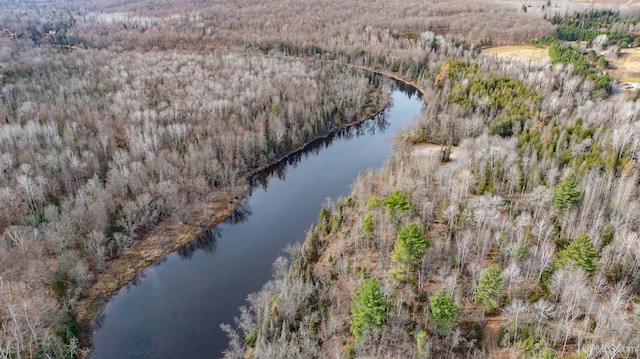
(165, 238)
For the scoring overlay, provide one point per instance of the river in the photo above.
(174, 309)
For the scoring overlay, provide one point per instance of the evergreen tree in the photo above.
(374, 202)
(567, 193)
(546, 353)
(397, 202)
(369, 226)
(369, 308)
(443, 312)
(582, 252)
(422, 344)
(488, 293)
(410, 245)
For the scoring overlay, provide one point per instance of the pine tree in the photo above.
(488, 293)
(422, 344)
(567, 193)
(443, 312)
(546, 353)
(410, 245)
(397, 202)
(369, 226)
(374, 202)
(582, 252)
(369, 309)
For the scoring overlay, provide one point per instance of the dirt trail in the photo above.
(491, 332)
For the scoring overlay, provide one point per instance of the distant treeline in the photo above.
(586, 26)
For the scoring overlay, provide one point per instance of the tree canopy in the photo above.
(443, 312)
(369, 308)
(369, 225)
(488, 293)
(582, 252)
(410, 245)
(567, 193)
(397, 201)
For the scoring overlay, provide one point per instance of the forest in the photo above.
(586, 26)
(532, 228)
(122, 119)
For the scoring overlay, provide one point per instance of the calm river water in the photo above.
(174, 309)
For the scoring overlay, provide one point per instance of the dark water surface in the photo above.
(174, 309)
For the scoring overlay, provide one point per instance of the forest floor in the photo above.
(491, 331)
(445, 172)
(533, 53)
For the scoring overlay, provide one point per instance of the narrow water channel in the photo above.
(174, 309)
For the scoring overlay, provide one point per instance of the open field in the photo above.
(525, 51)
(627, 67)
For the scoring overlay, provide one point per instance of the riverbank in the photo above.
(389, 74)
(166, 237)
(171, 235)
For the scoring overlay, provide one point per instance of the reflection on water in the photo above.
(375, 125)
(408, 90)
(241, 213)
(205, 241)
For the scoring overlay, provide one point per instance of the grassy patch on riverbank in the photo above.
(626, 67)
(530, 52)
